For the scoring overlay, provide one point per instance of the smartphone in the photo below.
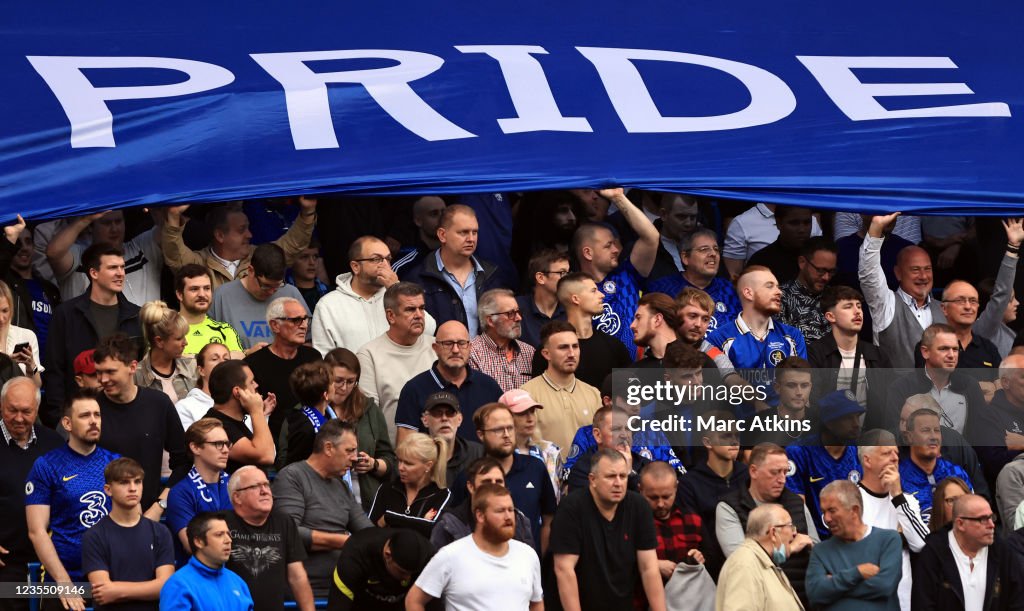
(21, 347)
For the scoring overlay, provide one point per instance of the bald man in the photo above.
(450, 372)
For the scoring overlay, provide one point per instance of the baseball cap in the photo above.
(84, 363)
(441, 398)
(838, 404)
(410, 550)
(518, 401)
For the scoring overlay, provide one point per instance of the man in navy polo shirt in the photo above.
(449, 372)
(526, 477)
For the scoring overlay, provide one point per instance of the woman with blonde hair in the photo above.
(17, 342)
(946, 491)
(163, 367)
(376, 459)
(418, 497)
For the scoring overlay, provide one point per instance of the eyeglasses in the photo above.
(501, 430)
(511, 314)
(448, 344)
(962, 301)
(295, 320)
(980, 519)
(822, 271)
(376, 259)
(345, 382)
(220, 445)
(259, 486)
(269, 287)
(556, 272)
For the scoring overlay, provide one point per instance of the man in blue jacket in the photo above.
(204, 584)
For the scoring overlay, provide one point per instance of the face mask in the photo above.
(779, 555)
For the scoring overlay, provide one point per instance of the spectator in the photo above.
(237, 404)
(450, 373)
(497, 351)
(884, 504)
(426, 215)
(229, 254)
(442, 418)
(571, 401)
(610, 433)
(18, 342)
(421, 475)
(781, 256)
(545, 220)
(794, 388)
(701, 486)
(85, 370)
(695, 312)
(801, 296)
(53, 505)
(206, 487)
(597, 252)
(898, 316)
(965, 567)
(376, 459)
(524, 414)
(142, 256)
(599, 353)
(654, 327)
(995, 325)
(242, 303)
(840, 357)
(141, 423)
(1009, 490)
(313, 385)
(701, 258)
(198, 400)
(35, 297)
(604, 543)
(453, 278)
(401, 352)
(923, 467)
(353, 313)
(162, 368)
(859, 567)
(205, 583)
(752, 578)
(273, 365)
(768, 468)
(193, 286)
(678, 218)
(998, 431)
(978, 356)
(750, 232)
(946, 493)
(466, 572)
(376, 569)
(323, 508)
(126, 557)
(267, 552)
(458, 521)
(678, 527)
(78, 324)
(956, 392)
(303, 275)
(541, 305)
(24, 441)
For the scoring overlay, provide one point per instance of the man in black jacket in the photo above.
(998, 432)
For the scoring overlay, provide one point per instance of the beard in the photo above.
(498, 534)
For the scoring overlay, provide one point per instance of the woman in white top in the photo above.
(198, 400)
(20, 343)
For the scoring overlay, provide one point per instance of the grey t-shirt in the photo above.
(105, 318)
(234, 305)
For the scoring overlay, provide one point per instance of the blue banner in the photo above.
(849, 105)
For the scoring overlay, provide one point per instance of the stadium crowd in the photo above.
(195, 418)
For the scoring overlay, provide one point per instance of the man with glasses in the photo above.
(450, 372)
(266, 549)
(497, 351)
(353, 313)
(541, 305)
(701, 259)
(801, 297)
(205, 488)
(442, 418)
(242, 303)
(273, 365)
(965, 567)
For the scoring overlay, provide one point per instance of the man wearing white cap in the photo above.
(523, 409)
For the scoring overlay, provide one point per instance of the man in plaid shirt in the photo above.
(497, 351)
(678, 527)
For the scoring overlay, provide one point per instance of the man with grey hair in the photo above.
(884, 503)
(400, 353)
(497, 350)
(751, 578)
(998, 432)
(859, 567)
(23, 442)
(273, 365)
(266, 549)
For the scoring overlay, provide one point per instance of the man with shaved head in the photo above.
(998, 432)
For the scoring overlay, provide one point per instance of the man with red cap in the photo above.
(85, 370)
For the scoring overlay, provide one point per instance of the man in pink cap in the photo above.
(523, 409)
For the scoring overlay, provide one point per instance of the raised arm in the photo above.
(58, 251)
(646, 248)
(880, 300)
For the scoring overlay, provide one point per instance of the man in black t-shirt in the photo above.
(604, 544)
(266, 550)
(376, 569)
(237, 405)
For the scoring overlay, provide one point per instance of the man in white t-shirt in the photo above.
(467, 571)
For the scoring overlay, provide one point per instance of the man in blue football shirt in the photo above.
(923, 468)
